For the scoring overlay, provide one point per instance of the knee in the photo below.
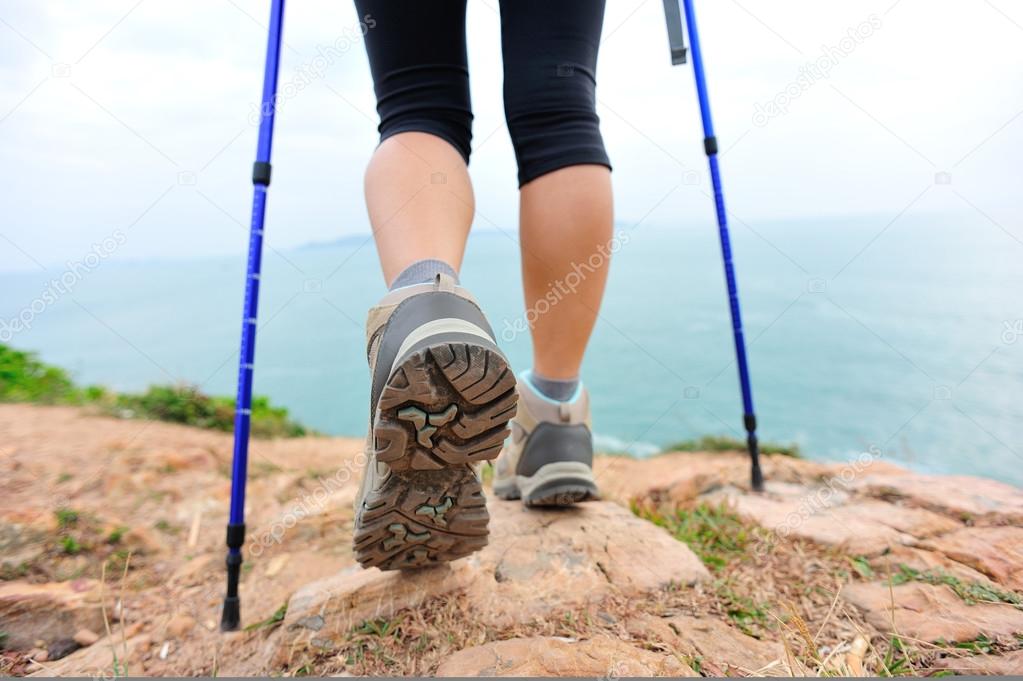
(553, 122)
(433, 100)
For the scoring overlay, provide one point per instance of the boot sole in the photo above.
(444, 408)
(420, 518)
(556, 484)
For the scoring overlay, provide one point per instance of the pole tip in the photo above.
(757, 477)
(232, 615)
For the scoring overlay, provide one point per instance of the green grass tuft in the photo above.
(862, 567)
(744, 612)
(66, 518)
(971, 592)
(982, 645)
(715, 533)
(272, 621)
(116, 534)
(70, 545)
(897, 660)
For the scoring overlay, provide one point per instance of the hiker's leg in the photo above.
(566, 229)
(420, 202)
(418, 193)
(550, 58)
(441, 391)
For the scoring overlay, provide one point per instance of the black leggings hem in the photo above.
(420, 69)
(538, 170)
(425, 127)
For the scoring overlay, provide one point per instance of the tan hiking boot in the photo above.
(548, 461)
(441, 398)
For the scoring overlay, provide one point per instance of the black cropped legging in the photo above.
(417, 55)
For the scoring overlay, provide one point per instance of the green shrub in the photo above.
(188, 405)
(725, 443)
(23, 378)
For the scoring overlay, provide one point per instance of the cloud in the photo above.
(105, 107)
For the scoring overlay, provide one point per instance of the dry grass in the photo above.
(415, 641)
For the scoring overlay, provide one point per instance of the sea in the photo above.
(902, 339)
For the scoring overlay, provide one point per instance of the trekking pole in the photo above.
(710, 145)
(243, 408)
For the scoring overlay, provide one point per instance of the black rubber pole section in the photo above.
(232, 614)
(756, 475)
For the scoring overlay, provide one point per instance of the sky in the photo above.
(132, 120)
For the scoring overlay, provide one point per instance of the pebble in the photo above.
(180, 625)
(276, 563)
(85, 637)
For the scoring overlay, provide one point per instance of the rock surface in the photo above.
(956, 495)
(322, 613)
(995, 551)
(924, 561)
(603, 657)
(594, 592)
(723, 646)
(48, 613)
(537, 563)
(827, 515)
(1009, 664)
(930, 612)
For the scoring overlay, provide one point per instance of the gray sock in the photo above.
(423, 272)
(558, 389)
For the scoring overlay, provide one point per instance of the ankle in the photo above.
(422, 272)
(557, 389)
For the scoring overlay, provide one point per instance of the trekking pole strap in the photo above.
(676, 39)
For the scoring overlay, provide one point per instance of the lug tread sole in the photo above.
(474, 379)
(444, 408)
(422, 518)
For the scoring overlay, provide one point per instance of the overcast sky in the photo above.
(136, 115)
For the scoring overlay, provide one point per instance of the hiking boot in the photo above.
(548, 461)
(441, 398)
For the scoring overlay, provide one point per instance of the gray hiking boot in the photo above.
(441, 398)
(548, 461)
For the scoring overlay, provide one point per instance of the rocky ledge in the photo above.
(111, 548)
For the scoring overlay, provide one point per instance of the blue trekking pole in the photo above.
(710, 145)
(243, 409)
